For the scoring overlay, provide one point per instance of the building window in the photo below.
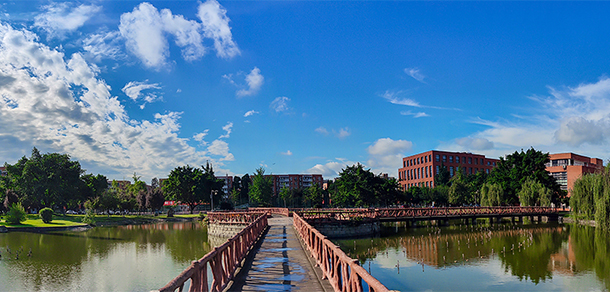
(470, 172)
(451, 171)
(438, 158)
(404, 163)
(469, 160)
(562, 179)
(487, 170)
(444, 158)
(450, 158)
(430, 157)
(476, 161)
(457, 159)
(437, 169)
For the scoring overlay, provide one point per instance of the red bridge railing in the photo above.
(223, 261)
(233, 217)
(331, 215)
(343, 272)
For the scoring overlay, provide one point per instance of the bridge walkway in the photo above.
(279, 262)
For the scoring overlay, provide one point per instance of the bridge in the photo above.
(288, 253)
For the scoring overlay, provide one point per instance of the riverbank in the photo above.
(74, 222)
(579, 221)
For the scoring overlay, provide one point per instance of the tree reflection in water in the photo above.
(530, 252)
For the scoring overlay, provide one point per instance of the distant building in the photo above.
(228, 183)
(295, 181)
(421, 169)
(566, 168)
(3, 171)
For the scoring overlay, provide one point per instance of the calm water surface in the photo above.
(505, 257)
(120, 258)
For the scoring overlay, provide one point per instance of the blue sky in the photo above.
(299, 86)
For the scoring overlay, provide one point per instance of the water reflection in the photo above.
(121, 258)
(529, 253)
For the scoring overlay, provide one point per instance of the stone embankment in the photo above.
(579, 221)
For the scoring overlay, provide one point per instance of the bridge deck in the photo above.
(279, 263)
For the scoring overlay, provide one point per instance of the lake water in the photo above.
(119, 258)
(502, 257)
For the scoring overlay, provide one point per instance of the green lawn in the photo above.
(75, 220)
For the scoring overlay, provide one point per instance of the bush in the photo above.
(16, 214)
(170, 212)
(46, 214)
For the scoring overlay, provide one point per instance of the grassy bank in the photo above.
(76, 220)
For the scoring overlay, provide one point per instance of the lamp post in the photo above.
(212, 200)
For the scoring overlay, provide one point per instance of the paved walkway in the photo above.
(279, 263)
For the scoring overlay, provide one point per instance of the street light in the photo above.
(212, 199)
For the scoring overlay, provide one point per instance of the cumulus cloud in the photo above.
(280, 104)
(145, 31)
(58, 103)
(331, 168)
(227, 128)
(221, 148)
(385, 155)
(343, 133)
(322, 131)
(287, 153)
(250, 113)
(254, 80)
(134, 90)
(200, 137)
(216, 26)
(60, 18)
(416, 74)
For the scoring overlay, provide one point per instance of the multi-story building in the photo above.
(295, 181)
(228, 183)
(3, 171)
(421, 169)
(566, 168)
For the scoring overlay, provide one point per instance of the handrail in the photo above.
(343, 272)
(233, 217)
(280, 211)
(223, 261)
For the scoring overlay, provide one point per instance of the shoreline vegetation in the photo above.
(74, 222)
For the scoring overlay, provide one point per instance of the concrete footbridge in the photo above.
(288, 252)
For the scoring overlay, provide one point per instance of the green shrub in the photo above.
(89, 217)
(16, 214)
(46, 214)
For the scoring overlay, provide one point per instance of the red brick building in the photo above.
(295, 181)
(420, 169)
(566, 168)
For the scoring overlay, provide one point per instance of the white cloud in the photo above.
(322, 130)
(216, 26)
(331, 168)
(415, 115)
(200, 137)
(104, 45)
(145, 30)
(227, 128)
(571, 119)
(60, 18)
(393, 97)
(250, 113)
(254, 80)
(134, 90)
(287, 153)
(343, 133)
(385, 155)
(280, 104)
(414, 72)
(221, 148)
(475, 143)
(58, 104)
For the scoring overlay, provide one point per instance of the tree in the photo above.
(185, 184)
(155, 199)
(533, 193)
(354, 187)
(154, 183)
(459, 193)
(443, 176)
(591, 198)
(11, 198)
(314, 196)
(246, 182)
(141, 200)
(212, 185)
(262, 188)
(491, 194)
(285, 196)
(516, 168)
